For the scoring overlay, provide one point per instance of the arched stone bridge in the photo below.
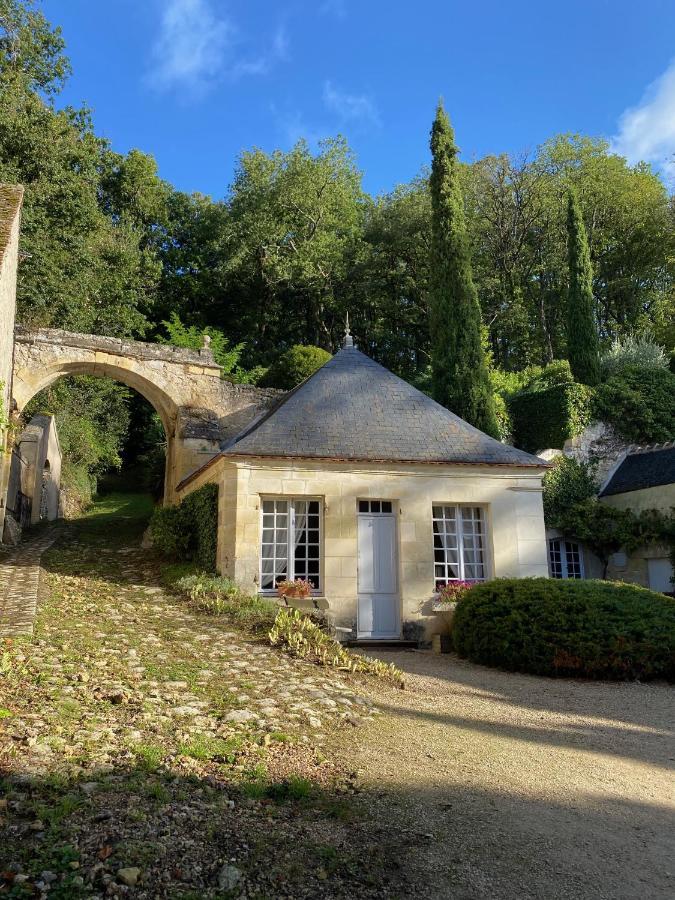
(199, 410)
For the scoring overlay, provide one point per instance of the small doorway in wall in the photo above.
(660, 571)
(379, 615)
(44, 492)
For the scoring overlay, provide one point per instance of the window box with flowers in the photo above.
(445, 601)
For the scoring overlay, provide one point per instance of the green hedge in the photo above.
(189, 531)
(294, 366)
(594, 629)
(547, 418)
(640, 403)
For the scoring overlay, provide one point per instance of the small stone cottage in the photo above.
(640, 479)
(375, 494)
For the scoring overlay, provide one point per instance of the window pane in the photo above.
(386, 506)
(275, 538)
(375, 506)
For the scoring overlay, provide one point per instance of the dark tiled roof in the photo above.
(354, 408)
(643, 468)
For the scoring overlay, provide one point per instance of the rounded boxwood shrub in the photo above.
(294, 366)
(593, 629)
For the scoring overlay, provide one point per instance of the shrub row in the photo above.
(547, 418)
(189, 530)
(594, 629)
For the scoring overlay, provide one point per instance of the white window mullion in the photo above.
(460, 541)
(291, 541)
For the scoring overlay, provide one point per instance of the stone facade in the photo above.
(34, 489)
(11, 197)
(636, 567)
(199, 410)
(510, 497)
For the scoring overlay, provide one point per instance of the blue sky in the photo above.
(194, 82)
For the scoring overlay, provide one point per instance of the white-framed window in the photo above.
(376, 507)
(290, 544)
(459, 543)
(565, 559)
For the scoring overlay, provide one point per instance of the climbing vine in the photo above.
(571, 506)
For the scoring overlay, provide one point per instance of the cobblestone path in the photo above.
(19, 582)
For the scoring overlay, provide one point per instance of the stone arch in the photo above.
(27, 383)
(198, 409)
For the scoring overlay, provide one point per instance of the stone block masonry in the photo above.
(199, 409)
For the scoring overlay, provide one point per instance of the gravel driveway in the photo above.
(513, 786)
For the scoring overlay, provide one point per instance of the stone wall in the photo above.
(11, 197)
(511, 499)
(200, 411)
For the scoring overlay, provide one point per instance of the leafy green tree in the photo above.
(460, 376)
(31, 51)
(294, 366)
(192, 338)
(583, 350)
(567, 483)
(295, 219)
(91, 217)
(92, 418)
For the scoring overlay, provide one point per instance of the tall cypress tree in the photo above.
(460, 377)
(583, 349)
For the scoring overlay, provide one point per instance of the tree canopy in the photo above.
(294, 242)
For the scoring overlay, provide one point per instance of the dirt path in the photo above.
(524, 787)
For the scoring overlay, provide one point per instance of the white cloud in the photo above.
(647, 131)
(196, 47)
(357, 108)
(192, 45)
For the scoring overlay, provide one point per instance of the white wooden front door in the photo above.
(378, 602)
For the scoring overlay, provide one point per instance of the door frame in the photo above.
(393, 514)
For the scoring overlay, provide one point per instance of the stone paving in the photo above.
(19, 583)
(150, 750)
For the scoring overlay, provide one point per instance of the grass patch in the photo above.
(149, 757)
(207, 748)
(100, 522)
(282, 737)
(220, 596)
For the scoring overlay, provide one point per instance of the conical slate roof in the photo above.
(354, 408)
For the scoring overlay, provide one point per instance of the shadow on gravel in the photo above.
(624, 719)
(193, 837)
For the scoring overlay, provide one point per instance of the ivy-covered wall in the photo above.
(189, 531)
(547, 418)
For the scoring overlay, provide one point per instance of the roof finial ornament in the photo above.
(349, 340)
